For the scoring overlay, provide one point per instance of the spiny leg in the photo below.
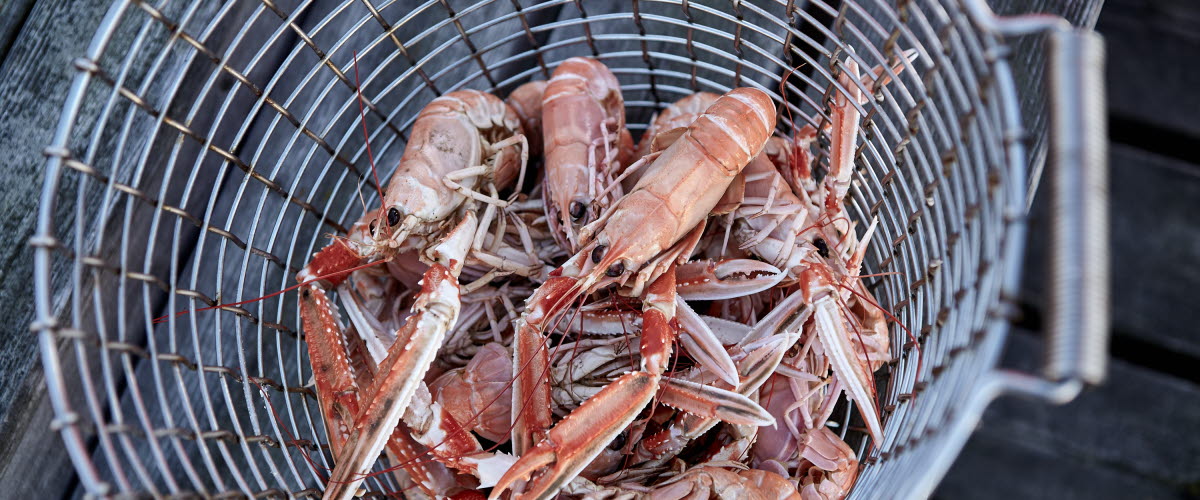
(339, 381)
(434, 313)
(834, 335)
(531, 362)
(336, 388)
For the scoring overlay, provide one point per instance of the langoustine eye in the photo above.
(598, 253)
(822, 247)
(577, 210)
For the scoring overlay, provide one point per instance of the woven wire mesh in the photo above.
(207, 150)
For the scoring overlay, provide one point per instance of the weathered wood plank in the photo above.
(33, 461)
(1127, 438)
(1155, 249)
(1148, 42)
(34, 78)
(999, 466)
(12, 16)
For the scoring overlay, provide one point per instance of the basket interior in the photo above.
(213, 148)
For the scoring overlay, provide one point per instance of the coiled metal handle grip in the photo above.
(1078, 309)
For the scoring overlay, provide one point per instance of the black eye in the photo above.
(615, 270)
(306, 293)
(393, 216)
(598, 253)
(372, 226)
(822, 247)
(577, 210)
(619, 441)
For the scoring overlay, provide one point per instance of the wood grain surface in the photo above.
(1151, 84)
(1135, 441)
(1119, 440)
(34, 76)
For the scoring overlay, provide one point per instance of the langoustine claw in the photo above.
(831, 469)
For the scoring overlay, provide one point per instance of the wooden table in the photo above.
(1132, 437)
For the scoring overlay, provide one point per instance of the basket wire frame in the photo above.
(206, 151)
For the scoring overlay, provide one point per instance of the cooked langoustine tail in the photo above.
(526, 100)
(831, 466)
(668, 123)
(479, 394)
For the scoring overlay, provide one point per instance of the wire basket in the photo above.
(207, 149)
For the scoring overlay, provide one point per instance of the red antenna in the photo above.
(366, 136)
(162, 319)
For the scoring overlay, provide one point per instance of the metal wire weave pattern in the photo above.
(206, 151)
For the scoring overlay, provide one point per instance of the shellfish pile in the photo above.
(542, 306)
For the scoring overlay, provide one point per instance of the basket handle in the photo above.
(1077, 319)
(1077, 310)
